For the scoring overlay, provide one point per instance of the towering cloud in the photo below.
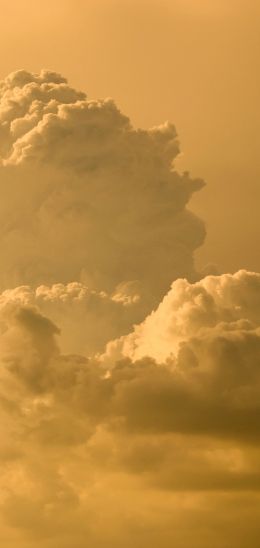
(129, 388)
(87, 197)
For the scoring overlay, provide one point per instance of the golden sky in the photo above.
(129, 284)
(193, 62)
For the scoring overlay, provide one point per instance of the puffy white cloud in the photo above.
(214, 305)
(206, 336)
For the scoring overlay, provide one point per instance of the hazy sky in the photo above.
(129, 279)
(193, 62)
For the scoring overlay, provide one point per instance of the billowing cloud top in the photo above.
(86, 196)
(214, 304)
(43, 118)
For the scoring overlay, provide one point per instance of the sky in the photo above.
(129, 280)
(192, 62)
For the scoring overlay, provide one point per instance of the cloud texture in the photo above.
(87, 319)
(86, 196)
(145, 445)
(130, 388)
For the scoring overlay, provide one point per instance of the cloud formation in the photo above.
(218, 304)
(87, 319)
(86, 196)
(176, 431)
(129, 407)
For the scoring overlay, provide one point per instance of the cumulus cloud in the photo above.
(207, 334)
(220, 304)
(129, 407)
(88, 319)
(86, 196)
(175, 431)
